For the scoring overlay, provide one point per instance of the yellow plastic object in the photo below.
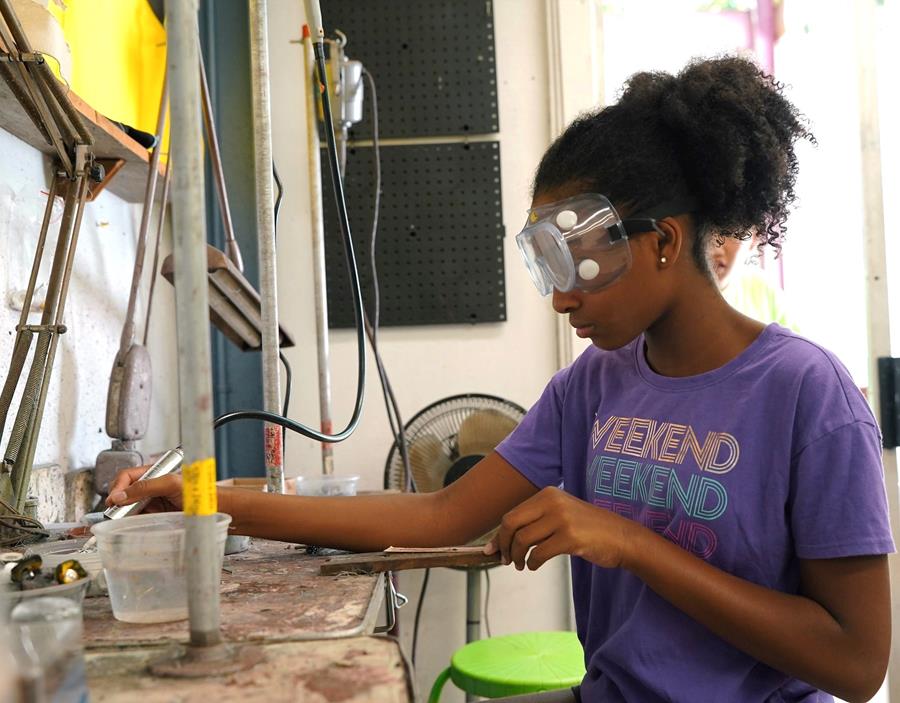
(118, 52)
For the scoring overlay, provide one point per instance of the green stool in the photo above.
(515, 664)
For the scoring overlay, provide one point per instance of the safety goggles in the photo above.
(581, 242)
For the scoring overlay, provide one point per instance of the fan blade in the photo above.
(482, 431)
(428, 463)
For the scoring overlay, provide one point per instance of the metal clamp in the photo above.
(57, 328)
(394, 600)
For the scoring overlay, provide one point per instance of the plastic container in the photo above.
(47, 646)
(143, 558)
(11, 596)
(326, 485)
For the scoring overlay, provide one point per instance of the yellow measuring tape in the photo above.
(198, 482)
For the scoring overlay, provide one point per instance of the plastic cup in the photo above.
(326, 485)
(47, 646)
(143, 558)
(10, 597)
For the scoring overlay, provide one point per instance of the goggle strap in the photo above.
(676, 206)
(635, 225)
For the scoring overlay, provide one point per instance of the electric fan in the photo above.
(445, 440)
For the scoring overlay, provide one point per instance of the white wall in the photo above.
(73, 429)
(513, 359)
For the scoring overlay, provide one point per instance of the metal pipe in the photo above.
(52, 128)
(317, 220)
(62, 98)
(473, 609)
(15, 27)
(192, 323)
(26, 405)
(24, 336)
(66, 129)
(16, 42)
(215, 159)
(28, 418)
(149, 195)
(265, 226)
(80, 187)
(154, 273)
(21, 94)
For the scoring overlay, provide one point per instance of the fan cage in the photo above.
(443, 419)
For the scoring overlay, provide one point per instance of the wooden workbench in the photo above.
(272, 592)
(358, 669)
(315, 633)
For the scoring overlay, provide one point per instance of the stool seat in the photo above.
(515, 664)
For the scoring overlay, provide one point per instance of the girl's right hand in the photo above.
(128, 488)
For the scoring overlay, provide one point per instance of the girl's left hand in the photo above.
(553, 522)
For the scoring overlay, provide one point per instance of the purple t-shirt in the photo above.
(772, 458)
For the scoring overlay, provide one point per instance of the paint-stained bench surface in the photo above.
(353, 670)
(273, 597)
(272, 592)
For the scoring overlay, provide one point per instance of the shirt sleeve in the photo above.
(534, 448)
(838, 503)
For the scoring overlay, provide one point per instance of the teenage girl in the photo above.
(717, 482)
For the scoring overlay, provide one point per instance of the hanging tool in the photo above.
(131, 378)
(235, 307)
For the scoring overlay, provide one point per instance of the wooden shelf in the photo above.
(110, 142)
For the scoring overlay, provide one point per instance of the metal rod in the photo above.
(66, 129)
(21, 94)
(21, 348)
(215, 158)
(154, 273)
(28, 420)
(80, 188)
(192, 320)
(473, 609)
(24, 416)
(56, 139)
(149, 195)
(62, 97)
(15, 27)
(24, 335)
(265, 226)
(17, 43)
(317, 221)
(39, 251)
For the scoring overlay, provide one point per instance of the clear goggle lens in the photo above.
(578, 243)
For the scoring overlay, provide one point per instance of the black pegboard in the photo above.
(432, 60)
(440, 236)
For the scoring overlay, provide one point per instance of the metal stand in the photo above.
(265, 225)
(206, 655)
(46, 102)
(317, 221)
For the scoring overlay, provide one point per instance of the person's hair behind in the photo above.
(719, 133)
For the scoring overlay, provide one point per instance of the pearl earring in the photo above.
(663, 259)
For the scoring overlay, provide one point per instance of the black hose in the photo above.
(358, 312)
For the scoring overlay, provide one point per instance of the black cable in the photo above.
(358, 311)
(419, 613)
(288, 383)
(395, 421)
(278, 197)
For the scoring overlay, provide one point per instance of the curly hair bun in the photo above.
(734, 132)
(720, 132)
